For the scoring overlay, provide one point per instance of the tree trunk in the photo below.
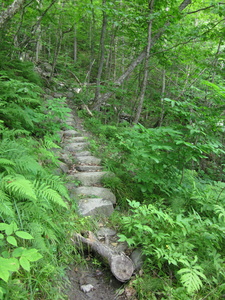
(136, 61)
(102, 53)
(146, 67)
(121, 265)
(75, 44)
(162, 97)
(10, 11)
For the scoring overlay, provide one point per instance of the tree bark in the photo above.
(146, 68)
(102, 53)
(136, 61)
(10, 11)
(121, 265)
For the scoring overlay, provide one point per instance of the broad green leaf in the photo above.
(4, 274)
(25, 264)
(24, 235)
(11, 228)
(32, 254)
(11, 240)
(8, 265)
(18, 252)
(3, 226)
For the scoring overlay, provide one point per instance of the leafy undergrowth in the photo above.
(36, 213)
(175, 213)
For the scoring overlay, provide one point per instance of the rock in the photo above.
(78, 139)
(95, 206)
(84, 153)
(70, 95)
(64, 167)
(105, 231)
(66, 158)
(70, 132)
(122, 246)
(76, 146)
(57, 95)
(89, 168)
(96, 191)
(86, 288)
(89, 178)
(88, 159)
(137, 258)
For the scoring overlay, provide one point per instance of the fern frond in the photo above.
(28, 101)
(12, 133)
(191, 278)
(220, 211)
(57, 184)
(45, 193)
(19, 187)
(6, 164)
(28, 165)
(6, 209)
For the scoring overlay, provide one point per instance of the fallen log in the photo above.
(120, 264)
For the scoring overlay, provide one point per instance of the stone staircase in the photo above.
(80, 165)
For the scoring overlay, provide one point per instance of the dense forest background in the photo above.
(148, 79)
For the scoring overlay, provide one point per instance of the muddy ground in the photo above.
(96, 284)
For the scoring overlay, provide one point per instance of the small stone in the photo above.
(86, 288)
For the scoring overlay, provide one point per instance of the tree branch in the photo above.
(204, 8)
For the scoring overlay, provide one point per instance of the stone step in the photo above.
(76, 146)
(88, 168)
(70, 119)
(97, 192)
(84, 153)
(69, 123)
(79, 139)
(88, 160)
(95, 206)
(88, 178)
(70, 132)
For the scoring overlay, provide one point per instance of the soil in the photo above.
(104, 286)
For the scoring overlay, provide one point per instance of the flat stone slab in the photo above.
(84, 153)
(70, 132)
(95, 206)
(90, 168)
(66, 158)
(105, 231)
(76, 146)
(98, 192)
(88, 160)
(89, 178)
(78, 139)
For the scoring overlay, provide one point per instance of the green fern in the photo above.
(191, 277)
(18, 186)
(45, 193)
(56, 183)
(6, 208)
(220, 211)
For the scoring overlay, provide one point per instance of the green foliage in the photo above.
(14, 255)
(187, 245)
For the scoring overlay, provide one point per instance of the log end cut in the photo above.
(122, 267)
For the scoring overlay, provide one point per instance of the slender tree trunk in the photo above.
(10, 11)
(136, 61)
(162, 97)
(75, 44)
(102, 54)
(38, 34)
(146, 65)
